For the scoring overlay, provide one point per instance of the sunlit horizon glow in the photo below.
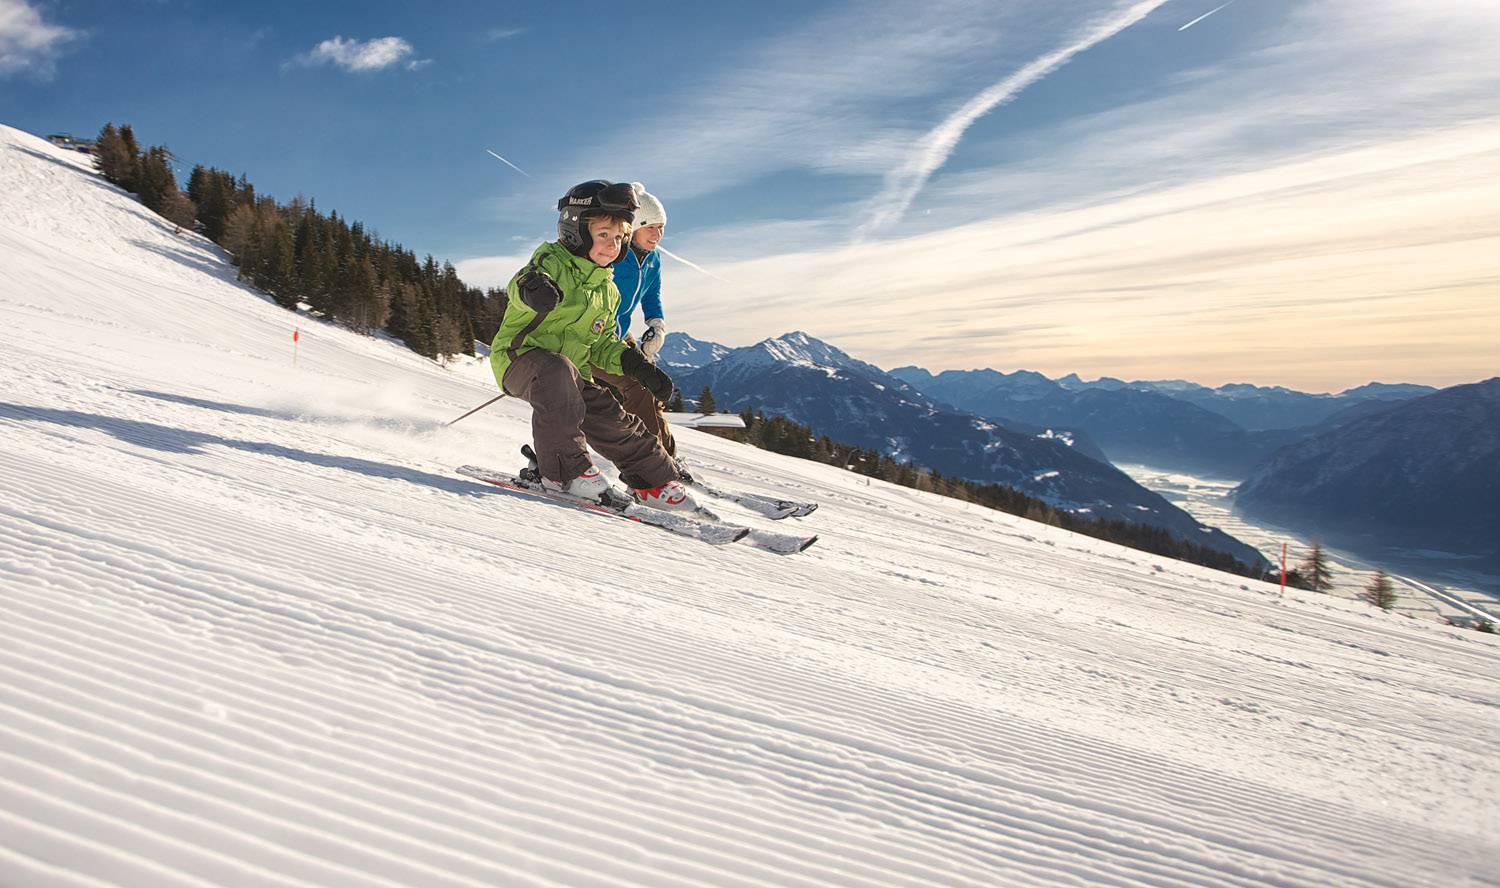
(1321, 275)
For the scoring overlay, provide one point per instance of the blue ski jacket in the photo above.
(639, 281)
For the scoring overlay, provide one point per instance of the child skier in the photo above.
(638, 278)
(560, 321)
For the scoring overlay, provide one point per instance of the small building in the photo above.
(63, 140)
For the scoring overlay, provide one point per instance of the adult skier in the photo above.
(638, 278)
(560, 321)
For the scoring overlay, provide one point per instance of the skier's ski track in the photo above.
(255, 631)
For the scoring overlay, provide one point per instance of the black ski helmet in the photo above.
(593, 198)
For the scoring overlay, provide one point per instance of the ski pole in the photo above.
(476, 409)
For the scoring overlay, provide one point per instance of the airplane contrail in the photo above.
(902, 185)
(1203, 16)
(516, 168)
(693, 265)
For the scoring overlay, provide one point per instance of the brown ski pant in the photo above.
(569, 414)
(643, 405)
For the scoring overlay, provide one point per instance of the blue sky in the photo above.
(1285, 192)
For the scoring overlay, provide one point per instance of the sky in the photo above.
(1285, 193)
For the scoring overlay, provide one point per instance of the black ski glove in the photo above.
(540, 293)
(656, 381)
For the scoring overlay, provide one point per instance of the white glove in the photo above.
(651, 340)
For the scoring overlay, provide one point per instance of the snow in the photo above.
(254, 630)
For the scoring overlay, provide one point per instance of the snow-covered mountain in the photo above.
(255, 631)
(681, 352)
(1422, 473)
(811, 382)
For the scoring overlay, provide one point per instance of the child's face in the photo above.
(609, 237)
(648, 236)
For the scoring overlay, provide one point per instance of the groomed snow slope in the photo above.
(255, 631)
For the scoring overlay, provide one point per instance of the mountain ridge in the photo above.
(856, 403)
(1424, 472)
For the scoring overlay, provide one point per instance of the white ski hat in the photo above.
(650, 212)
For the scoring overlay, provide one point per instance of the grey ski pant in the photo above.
(569, 414)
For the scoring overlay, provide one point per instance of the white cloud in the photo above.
(358, 56)
(492, 271)
(837, 96)
(1323, 82)
(904, 182)
(502, 34)
(28, 44)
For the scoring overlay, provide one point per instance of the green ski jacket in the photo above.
(582, 326)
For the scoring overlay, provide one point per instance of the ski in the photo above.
(780, 543)
(711, 531)
(715, 533)
(770, 507)
(775, 509)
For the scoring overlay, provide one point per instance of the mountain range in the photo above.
(1257, 407)
(1424, 473)
(1167, 424)
(854, 402)
(1383, 464)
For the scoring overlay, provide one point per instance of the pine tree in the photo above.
(1381, 592)
(282, 267)
(242, 241)
(706, 402)
(156, 184)
(213, 191)
(1315, 568)
(110, 156)
(179, 209)
(675, 405)
(130, 177)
